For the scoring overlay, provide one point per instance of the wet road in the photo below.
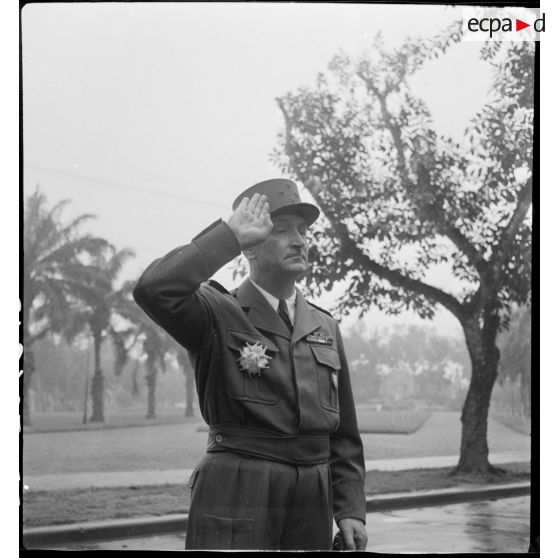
(485, 526)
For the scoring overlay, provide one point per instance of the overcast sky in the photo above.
(155, 116)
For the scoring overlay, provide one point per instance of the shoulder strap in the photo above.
(217, 286)
(320, 309)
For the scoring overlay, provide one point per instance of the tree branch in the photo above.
(433, 214)
(524, 200)
(491, 278)
(394, 277)
(394, 131)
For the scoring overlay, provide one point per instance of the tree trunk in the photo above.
(189, 373)
(97, 383)
(28, 370)
(25, 392)
(151, 379)
(526, 395)
(473, 458)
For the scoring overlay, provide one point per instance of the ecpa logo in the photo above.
(502, 24)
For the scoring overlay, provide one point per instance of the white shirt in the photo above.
(274, 301)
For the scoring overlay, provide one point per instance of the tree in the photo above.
(59, 386)
(103, 304)
(55, 275)
(186, 366)
(155, 346)
(363, 355)
(154, 343)
(436, 362)
(398, 199)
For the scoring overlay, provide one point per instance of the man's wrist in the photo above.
(218, 245)
(230, 224)
(351, 518)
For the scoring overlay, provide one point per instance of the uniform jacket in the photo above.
(300, 408)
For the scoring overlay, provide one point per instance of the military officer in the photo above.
(284, 455)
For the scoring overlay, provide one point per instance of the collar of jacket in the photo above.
(264, 317)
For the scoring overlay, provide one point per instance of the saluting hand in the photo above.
(250, 221)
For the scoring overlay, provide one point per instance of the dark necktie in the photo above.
(284, 315)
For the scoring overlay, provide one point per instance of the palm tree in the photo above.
(55, 275)
(100, 316)
(155, 343)
(156, 347)
(185, 365)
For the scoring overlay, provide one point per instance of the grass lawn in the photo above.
(519, 423)
(72, 421)
(96, 504)
(181, 446)
(390, 422)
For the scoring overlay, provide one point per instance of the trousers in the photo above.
(239, 502)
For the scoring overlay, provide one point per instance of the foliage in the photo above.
(153, 342)
(71, 287)
(406, 366)
(97, 316)
(56, 266)
(398, 198)
(60, 384)
(105, 305)
(57, 272)
(59, 387)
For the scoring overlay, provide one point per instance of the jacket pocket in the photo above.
(193, 477)
(225, 533)
(327, 369)
(256, 387)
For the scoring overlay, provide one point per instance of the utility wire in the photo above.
(119, 166)
(112, 184)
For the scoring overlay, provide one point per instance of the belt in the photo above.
(295, 449)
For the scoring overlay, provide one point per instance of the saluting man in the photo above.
(284, 455)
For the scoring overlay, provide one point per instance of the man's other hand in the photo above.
(354, 534)
(250, 221)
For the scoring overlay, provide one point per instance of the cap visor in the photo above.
(307, 210)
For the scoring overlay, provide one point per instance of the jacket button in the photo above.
(218, 438)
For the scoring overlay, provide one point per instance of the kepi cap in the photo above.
(283, 197)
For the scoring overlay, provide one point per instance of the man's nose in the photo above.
(298, 239)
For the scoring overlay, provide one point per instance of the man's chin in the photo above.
(297, 268)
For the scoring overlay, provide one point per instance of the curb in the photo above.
(146, 526)
(101, 530)
(428, 498)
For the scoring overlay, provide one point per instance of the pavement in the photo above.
(69, 481)
(493, 518)
(486, 526)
